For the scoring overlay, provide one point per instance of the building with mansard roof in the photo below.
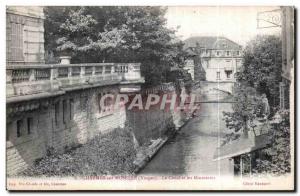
(219, 57)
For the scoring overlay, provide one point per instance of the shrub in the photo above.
(111, 153)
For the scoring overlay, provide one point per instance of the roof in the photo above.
(190, 52)
(212, 42)
(241, 146)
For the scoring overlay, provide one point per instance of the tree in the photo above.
(260, 73)
(119, 34)
(262, 66)
(279, 154)
(246, 107)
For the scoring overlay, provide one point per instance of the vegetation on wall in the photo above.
(279, 152)
(107, 154)
(261, 74)
(261, 68)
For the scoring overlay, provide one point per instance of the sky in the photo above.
(236, 23)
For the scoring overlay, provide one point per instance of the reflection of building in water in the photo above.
(219, 57)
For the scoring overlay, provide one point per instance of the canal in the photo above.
(191, 150)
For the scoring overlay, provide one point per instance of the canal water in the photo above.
(191, 150)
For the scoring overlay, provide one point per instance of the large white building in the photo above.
(219, 57)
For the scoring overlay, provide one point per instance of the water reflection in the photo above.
(191, 150)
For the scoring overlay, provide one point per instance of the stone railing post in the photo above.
(53, 73)
(9, 76)
(103, 70)
(93, 70)
(70, 72)
(82, 71)
(31, 75)
(113, 69)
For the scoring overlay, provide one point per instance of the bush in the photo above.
(107, 154)
(278, 154)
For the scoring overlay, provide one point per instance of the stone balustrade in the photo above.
(32, 79)
(25, 73)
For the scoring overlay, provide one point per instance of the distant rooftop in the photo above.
(212, 42)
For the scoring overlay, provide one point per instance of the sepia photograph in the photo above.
(150, 98)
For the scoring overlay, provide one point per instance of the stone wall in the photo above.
(67, 121)
(149, 125)
(153, 123)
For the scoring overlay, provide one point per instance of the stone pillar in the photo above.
(65, 60)
(8, 76)
(32, 75)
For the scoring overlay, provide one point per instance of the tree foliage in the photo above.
(116, 34)
(260, 73)
(279, 161)
(261, 68)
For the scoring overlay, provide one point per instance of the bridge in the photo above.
(56, 106)
(38, 81)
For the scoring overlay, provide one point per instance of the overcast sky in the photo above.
(236, 23)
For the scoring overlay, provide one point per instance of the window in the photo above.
(228, 74)
(64, 111)
(238, 53)
(19, 128)
(218, 53)
(218, 75)
(107, 102)
(71, 108)
(227, 53)
(29, 125)
(56, 112)
(16, 42)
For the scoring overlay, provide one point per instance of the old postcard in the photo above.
(150, 98)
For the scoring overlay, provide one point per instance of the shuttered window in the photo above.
(16, 42)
